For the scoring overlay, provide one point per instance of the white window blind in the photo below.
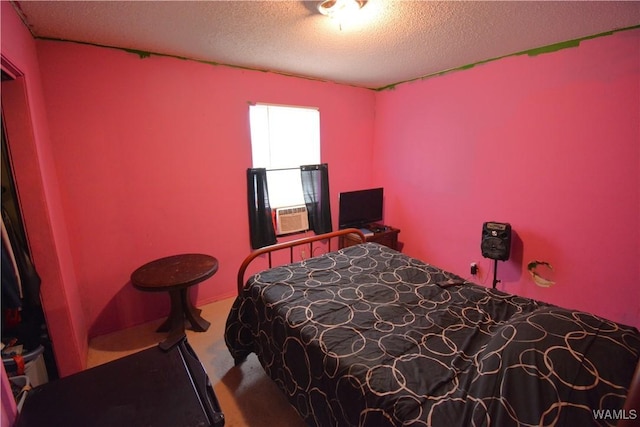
(282, 139)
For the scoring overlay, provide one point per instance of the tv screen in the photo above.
(360, 208)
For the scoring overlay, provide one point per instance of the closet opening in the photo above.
(23, 323)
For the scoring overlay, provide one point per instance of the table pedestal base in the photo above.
(181, 309)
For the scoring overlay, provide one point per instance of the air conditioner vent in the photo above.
(291, 219)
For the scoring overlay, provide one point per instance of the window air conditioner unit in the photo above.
(291, 219)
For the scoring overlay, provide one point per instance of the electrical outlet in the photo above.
(474, 268)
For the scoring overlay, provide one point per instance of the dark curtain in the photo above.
(260, 221)
(315, 186)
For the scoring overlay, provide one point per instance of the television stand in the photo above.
(382, 234)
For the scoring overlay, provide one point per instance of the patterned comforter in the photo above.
(371, 337)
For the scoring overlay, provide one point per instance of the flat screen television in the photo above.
(360, 208)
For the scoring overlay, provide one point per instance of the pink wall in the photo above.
(550, 144)
(152, 155)
(38, 191)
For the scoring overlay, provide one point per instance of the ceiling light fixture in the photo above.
(340, 10)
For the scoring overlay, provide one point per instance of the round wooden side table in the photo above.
(175, 274)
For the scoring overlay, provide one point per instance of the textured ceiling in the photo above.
(390, 42)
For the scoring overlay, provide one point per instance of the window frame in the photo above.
(279, 171)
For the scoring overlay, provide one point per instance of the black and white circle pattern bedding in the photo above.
(371, 337)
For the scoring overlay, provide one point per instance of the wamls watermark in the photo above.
(615, 414)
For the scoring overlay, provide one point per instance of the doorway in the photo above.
(23, 321)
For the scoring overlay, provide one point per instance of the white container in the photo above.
(22, 382)
(34, 367)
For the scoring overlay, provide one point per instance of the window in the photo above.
(282, 139)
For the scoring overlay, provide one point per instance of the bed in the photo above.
(368, 336)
